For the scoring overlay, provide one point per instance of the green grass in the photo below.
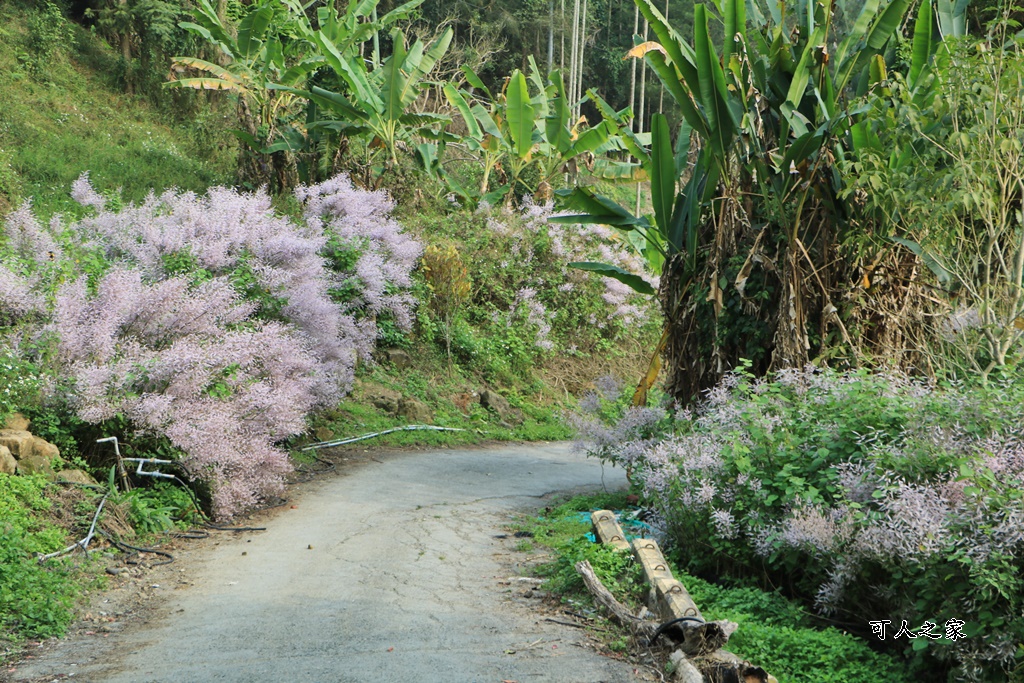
(68, 117)
(430, 384)
(775, 633)
(37, 601)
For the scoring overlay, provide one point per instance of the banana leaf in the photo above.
(631, 280)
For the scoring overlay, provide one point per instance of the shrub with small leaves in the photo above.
(449, 285)
(873, 496)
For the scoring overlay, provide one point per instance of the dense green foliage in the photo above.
(775, 633)
(71, 118)
(37, 600)
(882, 497)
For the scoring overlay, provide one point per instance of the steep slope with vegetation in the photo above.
(207, 326)
(818, 185)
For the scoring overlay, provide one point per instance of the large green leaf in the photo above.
(209, 67)
(802, 73)
(620, 120)
(251, 31)
(663, 172)
(735, 23)
(487, 121)
(540, 101)
(596, 209)
(421, 66)
(557, 124)
(590, 140)
(206, 84)
(881, 30)
(400, 13)
(923, 44)
(679, 52)
(631, 280)
(456, 99)
(396, 78)
(712, 85)
(213, 36)
(332, 101)
(297, 73)
(520, 114)
(476, 81)
(952, 15)
(212, 29)
(681, 92)
(855, 37)
(354, 74)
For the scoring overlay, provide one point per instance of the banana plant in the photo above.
(255, 56)
(518, 129)
(376, 103)
(272, 54)
(772, 108)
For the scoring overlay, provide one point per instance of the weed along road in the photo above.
(388, 571)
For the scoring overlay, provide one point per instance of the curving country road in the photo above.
(388, 572)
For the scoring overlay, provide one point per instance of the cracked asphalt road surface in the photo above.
(386, 572)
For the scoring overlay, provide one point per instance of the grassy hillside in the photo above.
(64, 114)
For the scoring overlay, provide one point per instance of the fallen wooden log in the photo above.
(712, 667)
(618, 612)
(699, 658)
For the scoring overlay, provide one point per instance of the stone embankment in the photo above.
(22, 452)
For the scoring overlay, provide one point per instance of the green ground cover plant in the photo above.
(36, 601)
(775, 633)
(62, 116)
(869, 497)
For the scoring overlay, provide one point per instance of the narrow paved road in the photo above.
(388, 572)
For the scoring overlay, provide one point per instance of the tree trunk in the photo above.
(661, 88)
(791, 343)
(551, 35)
(579, 67)
(632, 72)
(561, 55)
(574, 52)
(640, 115)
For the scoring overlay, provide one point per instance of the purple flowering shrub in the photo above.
(527, 303)
(210, 321)
(874, 496)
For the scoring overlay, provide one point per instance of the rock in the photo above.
(399, 358)
(36, 464)
(494, 401)
(381, 397)
(323, 434)
(8, 465)
(18, 441)
(76, 477)
(17, 422)
(44, 448)
(415, 411)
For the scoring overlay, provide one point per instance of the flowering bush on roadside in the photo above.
(526, 300)
(211, 321)
(874, 496)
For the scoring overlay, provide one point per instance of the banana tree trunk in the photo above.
(791, 342)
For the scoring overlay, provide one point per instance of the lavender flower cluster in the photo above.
(188, 353)
(843, 474)
(545, 269)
